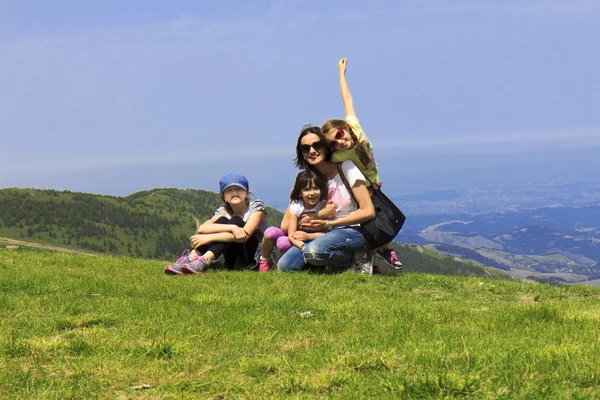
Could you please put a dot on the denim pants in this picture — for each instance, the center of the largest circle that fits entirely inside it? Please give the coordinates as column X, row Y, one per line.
column 334, row 249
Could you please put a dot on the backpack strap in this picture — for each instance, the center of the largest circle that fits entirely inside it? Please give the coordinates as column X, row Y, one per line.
column 343, row 176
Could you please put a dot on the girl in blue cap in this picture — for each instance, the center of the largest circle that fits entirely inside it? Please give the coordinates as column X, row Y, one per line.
column 234, row 232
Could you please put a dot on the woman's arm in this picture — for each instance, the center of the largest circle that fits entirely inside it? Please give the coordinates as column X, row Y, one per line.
column 328, row 211
column 365, row 211
column 346, row 96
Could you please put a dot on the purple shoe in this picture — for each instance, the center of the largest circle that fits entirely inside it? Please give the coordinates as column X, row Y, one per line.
column 196, row 266
column 175, row 268
column 390, row 258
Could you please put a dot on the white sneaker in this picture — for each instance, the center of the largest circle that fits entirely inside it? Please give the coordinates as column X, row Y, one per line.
column 364, row 265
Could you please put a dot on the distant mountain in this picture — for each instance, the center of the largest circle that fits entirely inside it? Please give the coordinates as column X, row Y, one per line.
column 550, row 240
column 150, row 224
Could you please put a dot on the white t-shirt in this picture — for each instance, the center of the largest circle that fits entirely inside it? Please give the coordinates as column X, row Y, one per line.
column 297, row 207
column 338, row 192
column 254, row 206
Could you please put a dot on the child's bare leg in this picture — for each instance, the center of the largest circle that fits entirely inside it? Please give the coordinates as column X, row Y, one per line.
column 266, row 247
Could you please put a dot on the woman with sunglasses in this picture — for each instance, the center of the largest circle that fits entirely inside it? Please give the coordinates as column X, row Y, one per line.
column 348, row 141
column 343, row 238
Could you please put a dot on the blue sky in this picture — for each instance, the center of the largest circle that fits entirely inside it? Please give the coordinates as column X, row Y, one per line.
column 114, row 97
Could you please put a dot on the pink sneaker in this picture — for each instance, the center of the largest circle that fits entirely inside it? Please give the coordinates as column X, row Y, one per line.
column 263, row 266
column 175, row 268
column 389, row 256
column 196, row 266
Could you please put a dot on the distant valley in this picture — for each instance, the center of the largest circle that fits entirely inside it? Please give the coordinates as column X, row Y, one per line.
column 560, row 243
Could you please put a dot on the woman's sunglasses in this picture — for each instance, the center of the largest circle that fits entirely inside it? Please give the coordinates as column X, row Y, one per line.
column 340, row 134
column 305, row 148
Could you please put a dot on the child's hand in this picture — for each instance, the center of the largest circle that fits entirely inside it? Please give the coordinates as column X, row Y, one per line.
column 342, row 65
column 198, row 240
column 240, row 234
column 301, row 236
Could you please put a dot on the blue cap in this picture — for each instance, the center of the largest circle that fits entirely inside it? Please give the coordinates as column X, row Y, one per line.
column 233, row 179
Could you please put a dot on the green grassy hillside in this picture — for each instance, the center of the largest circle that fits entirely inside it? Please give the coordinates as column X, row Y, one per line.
column 150, row 224
column 153, row 224
column 74, row 326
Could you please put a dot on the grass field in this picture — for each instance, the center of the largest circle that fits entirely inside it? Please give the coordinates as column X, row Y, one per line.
column 73, row 326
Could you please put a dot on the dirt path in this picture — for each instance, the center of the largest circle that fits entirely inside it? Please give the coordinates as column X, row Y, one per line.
column 13, row 244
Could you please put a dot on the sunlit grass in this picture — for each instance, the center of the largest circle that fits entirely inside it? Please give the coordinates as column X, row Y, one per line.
column 92, row 327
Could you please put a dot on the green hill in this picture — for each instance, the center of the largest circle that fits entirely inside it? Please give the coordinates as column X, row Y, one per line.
column 151, row 224
column 154, row 224
column 76, row 327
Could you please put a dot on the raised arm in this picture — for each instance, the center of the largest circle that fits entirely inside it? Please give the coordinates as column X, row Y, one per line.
column 346, row 96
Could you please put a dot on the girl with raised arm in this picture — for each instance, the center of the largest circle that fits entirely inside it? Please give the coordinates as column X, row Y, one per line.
column 348, row 141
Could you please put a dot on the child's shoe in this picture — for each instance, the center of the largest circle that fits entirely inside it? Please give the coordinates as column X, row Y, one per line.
column 364, row 265
column 265, row 265
column 175, row 268
column 196, row 266
column 390, row 257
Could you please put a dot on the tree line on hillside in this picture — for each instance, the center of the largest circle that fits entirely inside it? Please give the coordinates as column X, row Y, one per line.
column 136, row 226
column 152, row 224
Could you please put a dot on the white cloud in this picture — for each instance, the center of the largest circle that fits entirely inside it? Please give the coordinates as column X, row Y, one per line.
column 497, row 142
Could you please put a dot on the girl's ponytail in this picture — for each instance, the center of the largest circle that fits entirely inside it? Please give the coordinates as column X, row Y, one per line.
column 361, row 150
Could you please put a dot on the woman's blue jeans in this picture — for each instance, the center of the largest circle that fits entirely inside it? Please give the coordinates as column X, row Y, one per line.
column 334, row 249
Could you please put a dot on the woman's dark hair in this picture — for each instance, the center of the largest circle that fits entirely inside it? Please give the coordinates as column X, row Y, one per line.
column 308, row 178
column 299, row 161
column 361, row 147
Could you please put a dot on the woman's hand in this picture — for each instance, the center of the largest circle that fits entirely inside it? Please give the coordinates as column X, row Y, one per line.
column 342, row 65
column 319, row 225
column 304, row 222
column 328, row 211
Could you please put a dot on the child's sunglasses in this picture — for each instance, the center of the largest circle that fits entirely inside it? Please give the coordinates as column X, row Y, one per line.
column 305, row 148
column 340, row 134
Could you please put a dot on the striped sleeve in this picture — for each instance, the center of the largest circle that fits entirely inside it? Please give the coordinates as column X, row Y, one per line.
column 256, row 205
column 221, row 212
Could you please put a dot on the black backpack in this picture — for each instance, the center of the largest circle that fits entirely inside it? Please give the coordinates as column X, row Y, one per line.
column 388, row 218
